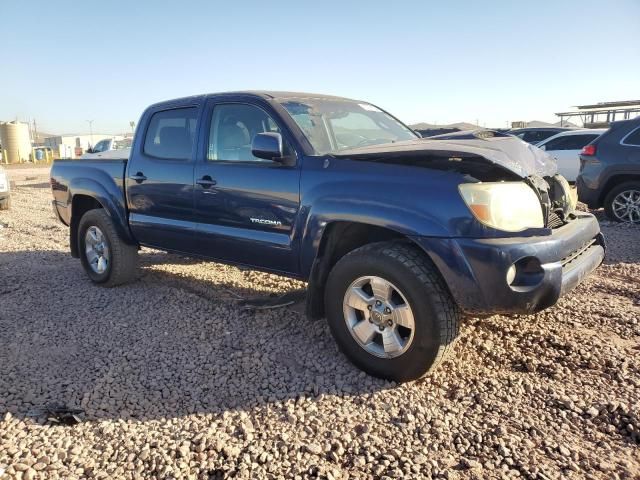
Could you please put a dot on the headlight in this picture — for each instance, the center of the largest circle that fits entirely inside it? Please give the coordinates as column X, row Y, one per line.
column 571, row 194
column 508, row 206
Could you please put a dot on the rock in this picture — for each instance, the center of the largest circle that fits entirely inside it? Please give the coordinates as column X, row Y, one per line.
column 314, row 448
column 470, row 463
column 593, row 412
column 30, row 474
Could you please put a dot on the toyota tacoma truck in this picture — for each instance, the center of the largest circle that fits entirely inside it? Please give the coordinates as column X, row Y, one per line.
column 397, row 236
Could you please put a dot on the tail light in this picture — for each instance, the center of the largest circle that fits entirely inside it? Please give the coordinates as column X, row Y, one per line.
column 588, row 150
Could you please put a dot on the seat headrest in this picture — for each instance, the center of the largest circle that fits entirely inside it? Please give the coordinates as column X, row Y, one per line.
column 175, row 142
column 233, row 136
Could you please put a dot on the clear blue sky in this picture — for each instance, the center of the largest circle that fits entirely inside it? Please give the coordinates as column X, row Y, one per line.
column 64, row 62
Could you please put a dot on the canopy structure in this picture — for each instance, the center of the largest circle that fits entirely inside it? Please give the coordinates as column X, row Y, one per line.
column 600, row 115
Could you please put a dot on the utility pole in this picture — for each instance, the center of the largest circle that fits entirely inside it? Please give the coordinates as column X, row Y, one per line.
column 90, row 122
column 132, row 124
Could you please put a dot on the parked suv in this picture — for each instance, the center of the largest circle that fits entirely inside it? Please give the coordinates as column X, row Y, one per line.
column 5, row 194
column 610, row 172
column 396, row 235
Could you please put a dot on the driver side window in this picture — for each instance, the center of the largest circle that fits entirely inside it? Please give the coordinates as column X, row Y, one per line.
column 233, row 127
column 100, row 146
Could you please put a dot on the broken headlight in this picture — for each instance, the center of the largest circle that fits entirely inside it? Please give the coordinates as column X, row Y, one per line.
column 508, row 206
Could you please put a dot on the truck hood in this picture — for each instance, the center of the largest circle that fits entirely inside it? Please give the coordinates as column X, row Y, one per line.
column 506, row 152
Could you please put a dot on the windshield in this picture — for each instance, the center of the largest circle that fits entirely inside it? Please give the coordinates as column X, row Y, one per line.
column 332, row 125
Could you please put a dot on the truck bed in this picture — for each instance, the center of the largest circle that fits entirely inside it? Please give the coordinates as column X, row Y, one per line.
column 107, row 176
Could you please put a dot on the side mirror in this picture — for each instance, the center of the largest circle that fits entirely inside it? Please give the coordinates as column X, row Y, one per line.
column 268, row 146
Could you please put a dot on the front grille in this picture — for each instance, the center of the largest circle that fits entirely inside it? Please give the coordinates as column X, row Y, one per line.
column 554, row 220
column 573, row 256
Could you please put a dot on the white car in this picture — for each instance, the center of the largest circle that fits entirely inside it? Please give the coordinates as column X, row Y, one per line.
column 5, row 194
column 565, row 147
column 110, row 148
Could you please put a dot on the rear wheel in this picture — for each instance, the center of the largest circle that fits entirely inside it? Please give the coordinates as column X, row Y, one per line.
column 622, row 203
column 390, row 312
column 106, row 258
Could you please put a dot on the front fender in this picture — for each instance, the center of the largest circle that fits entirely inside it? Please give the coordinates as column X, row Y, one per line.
column 397, row 218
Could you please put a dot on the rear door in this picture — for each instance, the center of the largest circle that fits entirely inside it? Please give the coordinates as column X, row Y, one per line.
column 160, row 180
column 246, row 207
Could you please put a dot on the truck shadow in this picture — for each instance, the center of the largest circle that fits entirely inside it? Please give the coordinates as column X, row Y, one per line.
column 171, row 344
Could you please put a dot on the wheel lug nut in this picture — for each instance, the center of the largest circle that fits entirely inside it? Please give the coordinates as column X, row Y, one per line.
column 369, row 307
column 378, row 303
column 389, row 322
column 387, row 310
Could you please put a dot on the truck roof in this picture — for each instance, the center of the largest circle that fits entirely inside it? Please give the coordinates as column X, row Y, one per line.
column 266, row 94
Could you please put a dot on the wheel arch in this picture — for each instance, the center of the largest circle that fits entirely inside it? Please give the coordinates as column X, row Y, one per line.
column 614, row 181
column 338, row 239
column 88, row 195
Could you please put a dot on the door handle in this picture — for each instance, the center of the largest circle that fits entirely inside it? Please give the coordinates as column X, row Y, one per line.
column 138, row 177
column 206, row 182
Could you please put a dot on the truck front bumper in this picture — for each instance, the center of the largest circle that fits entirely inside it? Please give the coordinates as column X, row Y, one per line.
column 517, row 275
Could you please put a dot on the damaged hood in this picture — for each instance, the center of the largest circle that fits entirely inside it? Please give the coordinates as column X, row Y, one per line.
column 505, row 151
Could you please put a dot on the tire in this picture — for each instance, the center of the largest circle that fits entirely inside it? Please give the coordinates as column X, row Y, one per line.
column 121, row 259
column 5, row 204
column 613, row 207
column 415, row 281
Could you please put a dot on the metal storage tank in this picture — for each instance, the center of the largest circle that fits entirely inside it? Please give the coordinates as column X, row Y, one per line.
column 15, row 141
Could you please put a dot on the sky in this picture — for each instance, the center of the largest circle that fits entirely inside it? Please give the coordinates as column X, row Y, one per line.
column 492, row 62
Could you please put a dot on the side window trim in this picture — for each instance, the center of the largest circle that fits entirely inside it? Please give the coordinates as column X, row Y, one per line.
column 623, row 141
column 194, row 143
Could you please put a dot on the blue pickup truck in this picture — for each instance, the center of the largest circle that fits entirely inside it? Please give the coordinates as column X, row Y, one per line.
column 396, row 235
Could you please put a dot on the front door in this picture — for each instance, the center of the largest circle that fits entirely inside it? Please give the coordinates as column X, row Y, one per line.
column 160, row 181
column 246, row 207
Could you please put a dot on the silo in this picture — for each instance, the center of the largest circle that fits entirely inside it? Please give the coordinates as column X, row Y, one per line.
column 15, row 141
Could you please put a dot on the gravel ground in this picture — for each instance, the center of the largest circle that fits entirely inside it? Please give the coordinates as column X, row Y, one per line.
column 174, row 379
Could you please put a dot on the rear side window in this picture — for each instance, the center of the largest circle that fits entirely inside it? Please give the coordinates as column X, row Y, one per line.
column 633, row 138
column 171, row 134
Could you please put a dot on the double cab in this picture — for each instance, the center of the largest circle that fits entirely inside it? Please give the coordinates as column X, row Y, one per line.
column 396, row 235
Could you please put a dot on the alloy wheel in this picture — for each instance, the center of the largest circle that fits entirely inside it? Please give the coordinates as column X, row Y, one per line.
column 379, row 316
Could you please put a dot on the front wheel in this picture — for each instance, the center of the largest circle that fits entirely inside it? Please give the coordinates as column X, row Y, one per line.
column 390, row 312
column 106, row 258
column 622, row 203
